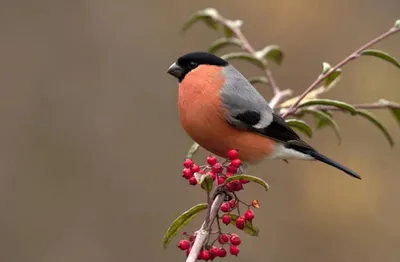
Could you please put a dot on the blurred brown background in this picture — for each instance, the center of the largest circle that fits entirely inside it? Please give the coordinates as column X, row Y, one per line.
column 91, row 148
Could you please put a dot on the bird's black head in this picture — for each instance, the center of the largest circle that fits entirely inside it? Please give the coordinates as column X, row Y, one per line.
column 190, row 61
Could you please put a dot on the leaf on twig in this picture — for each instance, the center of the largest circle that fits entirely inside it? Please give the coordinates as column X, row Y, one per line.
column 248, row 226
column 208, row 16
column 329, row 102
column 271, row 53
column 300, row 125
column 244, row 56
column 323, row 120
column 332, row 77
column 258, row 80
column 395, row 111
column 382, row 55
column 228, row 32
column 397, row 24
column 250, row 178
column 325, row 67
column 181, row 221
column 223, row 42
column 193, row 149
column 207, row 183
column 377, row 123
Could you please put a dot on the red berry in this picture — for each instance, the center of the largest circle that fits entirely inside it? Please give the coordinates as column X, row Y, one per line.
column 213, row 176
column 226, row 219
column 205, row 255
column 223, row 239
column 233, row 203
column 222, row 252
column 188, row 163
column 217, row 168
column 249, row 215
column 214, row 251
column 228, row 174
column 233, row 154
column 193, row 181
column 234, row 186
column 193, row 237
column 240, row 222
column 235, row 240
column 236, row 163
column 221, row 180
column 232, row 169
column 244, row 181
column 184, row 244
column 230, row 186
column 212, row 160
column 187, row 173
column 188, row 251
column 234, row 250
column 195, row 168
column 225, row 207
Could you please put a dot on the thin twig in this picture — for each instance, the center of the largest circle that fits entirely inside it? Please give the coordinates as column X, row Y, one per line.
column 246, row 46
column 352, row 56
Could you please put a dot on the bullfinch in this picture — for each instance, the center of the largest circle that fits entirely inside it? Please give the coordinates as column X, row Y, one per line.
column 221, row 110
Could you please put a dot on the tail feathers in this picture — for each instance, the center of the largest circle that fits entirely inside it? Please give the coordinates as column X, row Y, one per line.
column 320, row 157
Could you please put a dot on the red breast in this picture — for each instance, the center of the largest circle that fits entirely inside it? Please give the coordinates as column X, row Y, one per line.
column 202, row 116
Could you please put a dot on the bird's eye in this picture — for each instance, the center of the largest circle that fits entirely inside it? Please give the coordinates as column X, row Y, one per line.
column 193, row 65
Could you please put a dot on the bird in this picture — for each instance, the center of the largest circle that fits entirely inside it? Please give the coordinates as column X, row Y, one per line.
column 221, row 110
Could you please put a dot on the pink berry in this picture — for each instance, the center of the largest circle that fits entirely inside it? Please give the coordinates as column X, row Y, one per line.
column 233, row 154
column 235, row 240
column 233, row 203
column 230, row 186
column 188, row 251
column 213, row 176
column 240, row 222
column 212, row 160
column 221, row 180
column 187, row 173
column 195, row 168
column 214, row 251
column 236, row 163
column 245, row 181
column 184, row 244
column 249, row 215
column 222, row 252
column 223, row 239
column 228, row 174
column 225, row 207
column 226, row 219
column 205, row 255
column 193, row 181
column 234, row 250
column 188, row 163
column 232, row 169
column 217, row 168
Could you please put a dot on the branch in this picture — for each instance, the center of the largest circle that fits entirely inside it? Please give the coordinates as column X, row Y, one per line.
column 234, row 26
column 356, row 54
column 204, row 231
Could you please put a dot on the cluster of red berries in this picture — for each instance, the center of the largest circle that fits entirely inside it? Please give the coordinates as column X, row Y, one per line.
column 212, row 252
column 216, row 170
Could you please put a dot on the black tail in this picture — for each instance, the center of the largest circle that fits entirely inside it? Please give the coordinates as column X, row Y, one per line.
column 326, row 160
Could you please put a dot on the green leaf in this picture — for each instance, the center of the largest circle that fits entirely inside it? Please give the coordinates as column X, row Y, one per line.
column 377, row 123
column 272, row 53
column 208, row 16
column 382, row 55
column 329, row 102
column 223, row 42
column 325, row 67
column 258, row 80
column 181, row 221
column 250, row 178
column 228, row 32
column 207, row 183
column 395, row 111
column 324, row 119
column 193, row 149
column 300, row 125
column 248, row 226
column 244, row 56
column 397, row 24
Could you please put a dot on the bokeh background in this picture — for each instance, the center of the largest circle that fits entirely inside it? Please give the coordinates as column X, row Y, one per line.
column 92, row 149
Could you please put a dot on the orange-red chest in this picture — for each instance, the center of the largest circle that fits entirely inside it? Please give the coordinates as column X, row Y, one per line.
column 203, row 117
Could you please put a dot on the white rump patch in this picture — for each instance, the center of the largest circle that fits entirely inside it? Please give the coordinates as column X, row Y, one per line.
column 282, row 152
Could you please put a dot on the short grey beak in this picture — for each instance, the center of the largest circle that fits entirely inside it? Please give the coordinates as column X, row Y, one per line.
column 175, row 70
